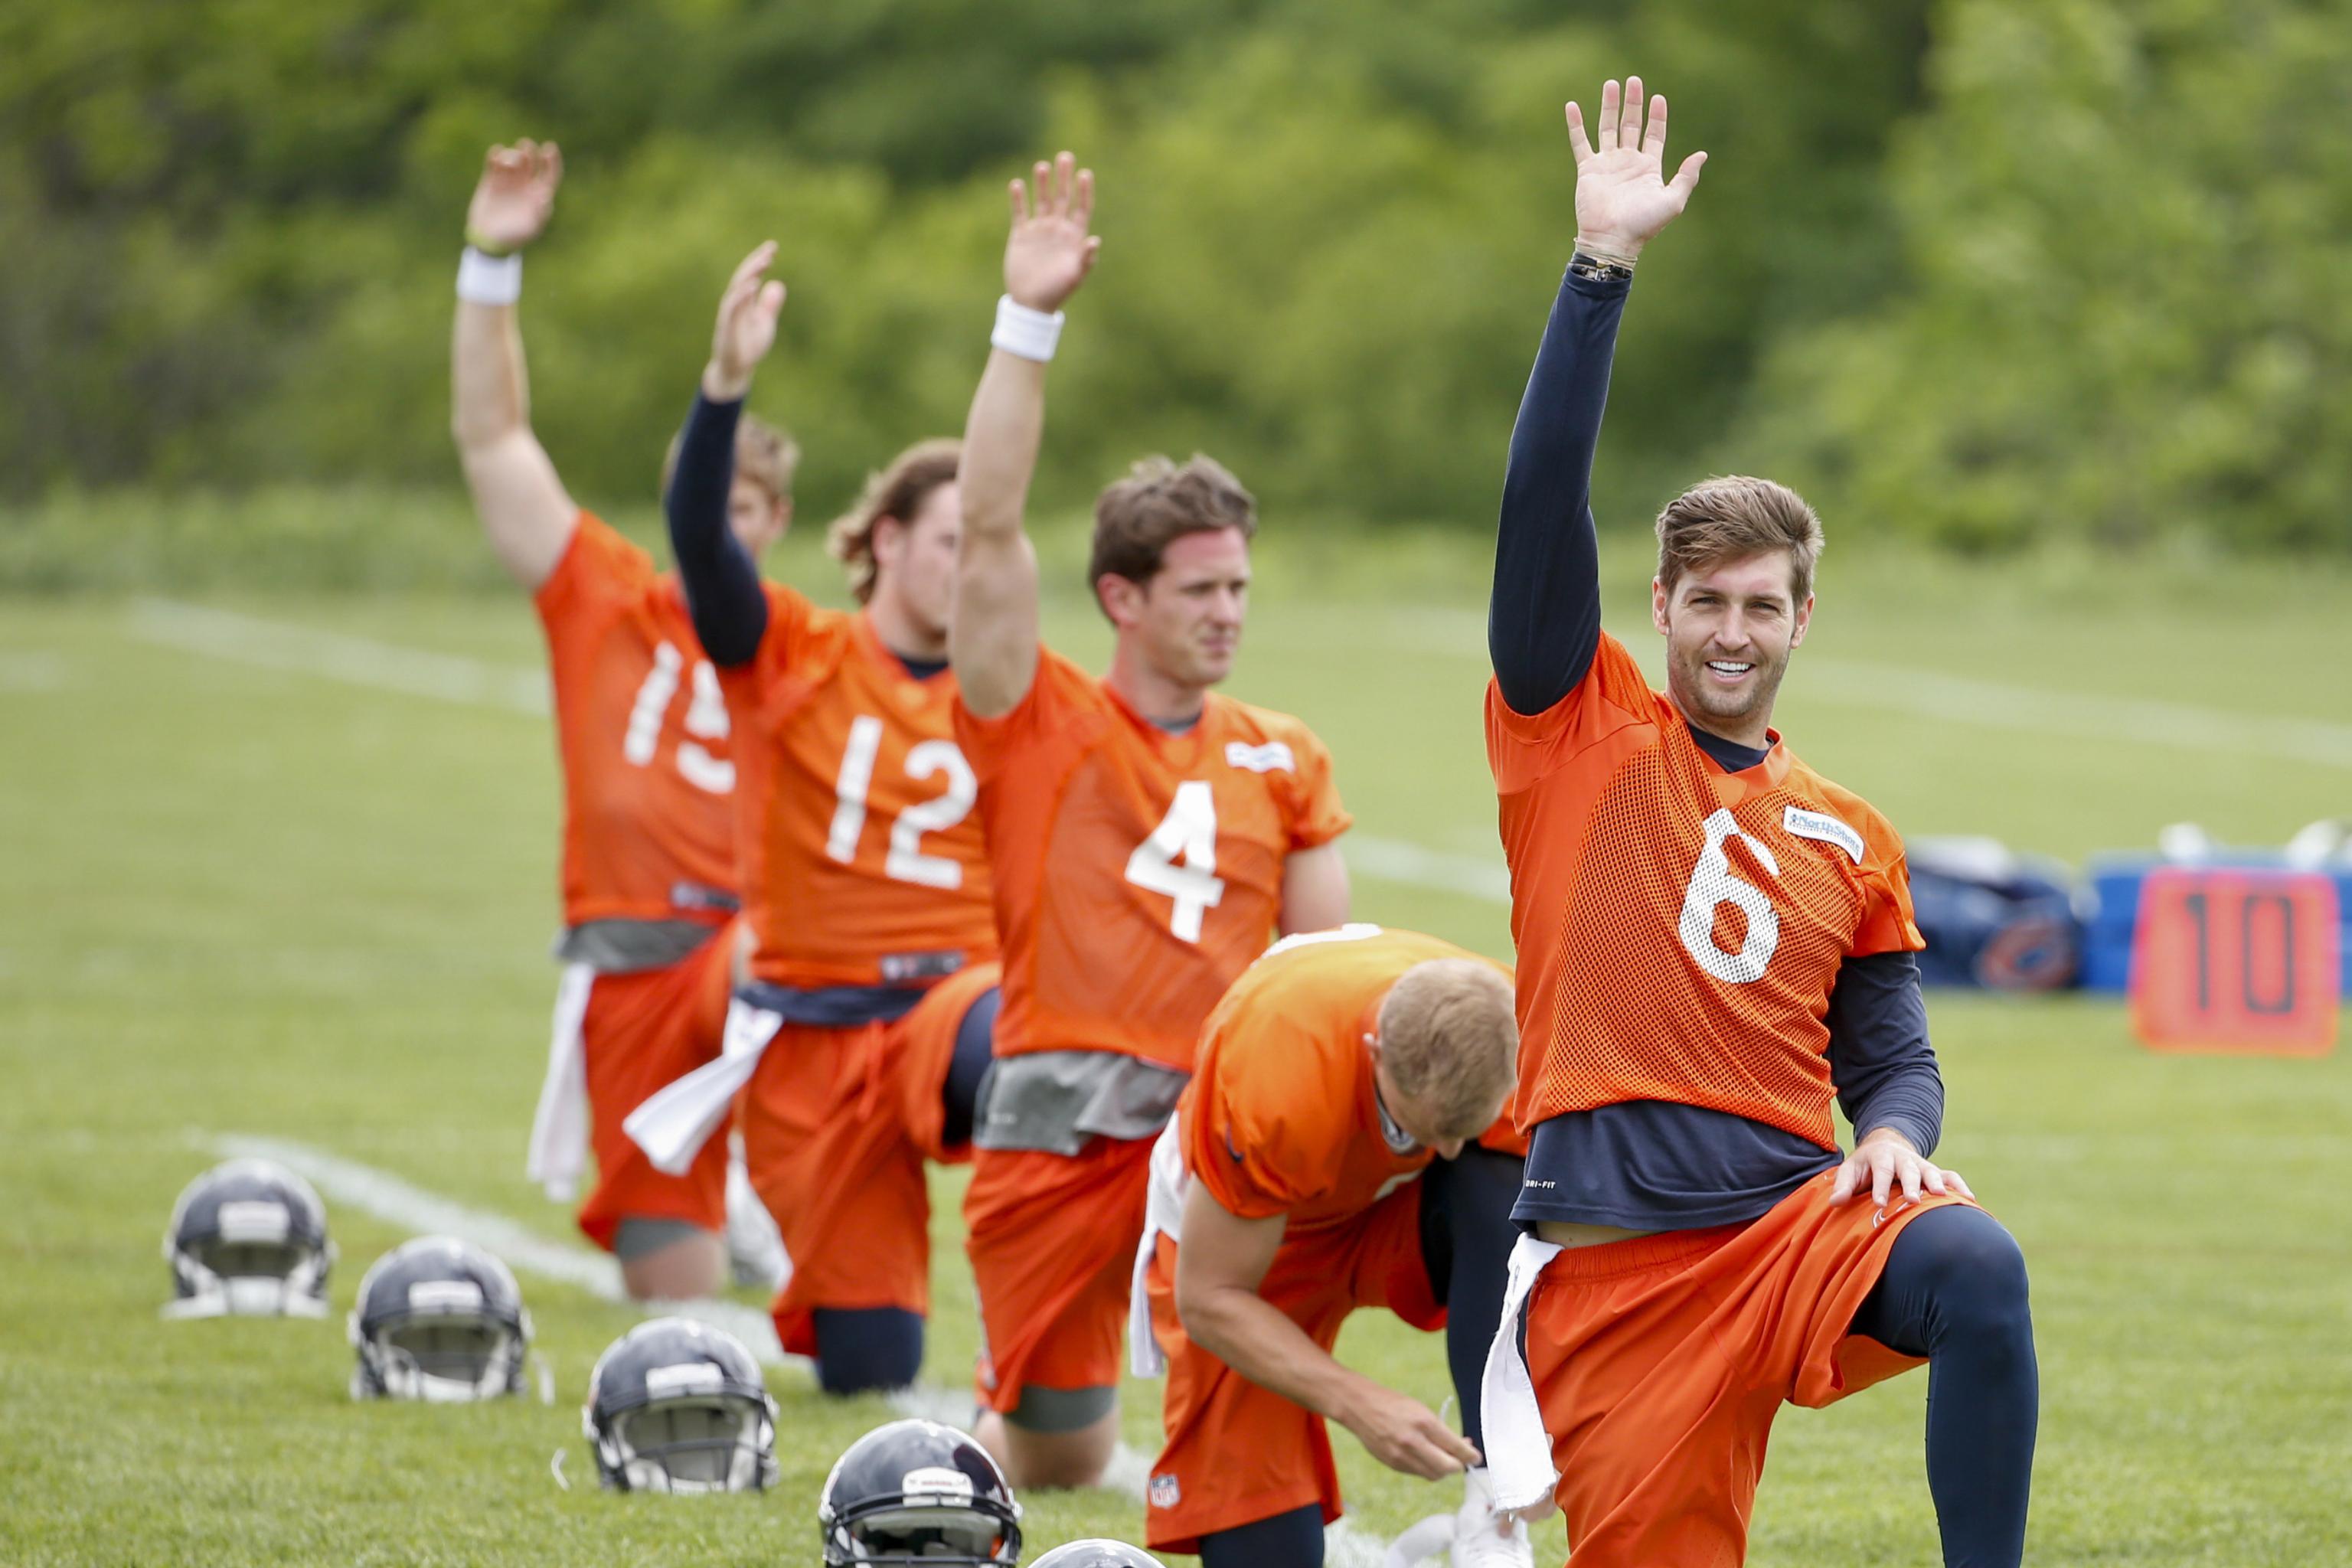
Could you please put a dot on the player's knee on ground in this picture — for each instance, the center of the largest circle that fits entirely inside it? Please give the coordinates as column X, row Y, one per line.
column 1954, row 1277
column 862, row 1349
column 668, row 1259
column 976, row 1052
column 1061, row 1436
column 1294, row 1540
column 1466, row 1236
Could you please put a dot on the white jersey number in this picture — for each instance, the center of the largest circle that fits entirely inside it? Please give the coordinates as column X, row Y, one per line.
column 906, row 862
column 1712, row 884
column 1180, row 859
column 705, row 715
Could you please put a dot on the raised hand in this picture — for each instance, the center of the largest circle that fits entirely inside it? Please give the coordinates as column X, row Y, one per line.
column 515, row 196
column 747, row 326
column 1049, row 251
column 1623, row 198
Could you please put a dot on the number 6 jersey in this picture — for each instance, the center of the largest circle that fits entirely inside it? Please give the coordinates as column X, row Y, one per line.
column 1136, row 871
column 861, row 857
column 1679, row 927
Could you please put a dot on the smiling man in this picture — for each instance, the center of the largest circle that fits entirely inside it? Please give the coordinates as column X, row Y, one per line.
column 1147, row 836
column 1714, row 943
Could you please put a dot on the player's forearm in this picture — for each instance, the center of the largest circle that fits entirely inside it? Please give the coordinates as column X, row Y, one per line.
column 721, row 581
column 1000, row 438
column 490, row 390
column 993, row 636
column 1879, row 1053
column 1543, row 621
column 1258, row 1340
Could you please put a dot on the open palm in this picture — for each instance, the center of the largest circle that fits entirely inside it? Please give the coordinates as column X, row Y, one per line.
column 516, row 194
column 747, row 324
column 1622, row 197
column 1049, row 251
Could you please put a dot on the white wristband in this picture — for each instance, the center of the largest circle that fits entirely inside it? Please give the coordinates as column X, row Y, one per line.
column 488, row 280
column 1031, row 334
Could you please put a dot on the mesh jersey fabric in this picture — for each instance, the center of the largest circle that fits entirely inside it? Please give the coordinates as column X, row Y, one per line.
column 1742, row 893
column 1137, row 872
column 863, row 864
column 648, row 825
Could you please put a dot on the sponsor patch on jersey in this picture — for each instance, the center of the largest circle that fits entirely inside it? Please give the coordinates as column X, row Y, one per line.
column 1262, row 759
column 254, row 1222
column 1165, row 1492
column 1822, row 828
column 445, row 1296
column 687, row 1378
column 936, row 1486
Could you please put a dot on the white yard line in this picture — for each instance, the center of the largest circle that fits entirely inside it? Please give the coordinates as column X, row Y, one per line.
column 453, row 677
column 401, row 1202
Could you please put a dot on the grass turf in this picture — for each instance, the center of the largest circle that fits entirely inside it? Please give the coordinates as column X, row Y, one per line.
column 243, row 900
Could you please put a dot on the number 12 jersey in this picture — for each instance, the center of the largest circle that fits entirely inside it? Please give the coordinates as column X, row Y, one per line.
column 861, row 855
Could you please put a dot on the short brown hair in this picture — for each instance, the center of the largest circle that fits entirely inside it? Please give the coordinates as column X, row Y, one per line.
column 900, row 491
column 1732, row 517
column 1450, row 1038
column 764, row 454
column 1158, row 503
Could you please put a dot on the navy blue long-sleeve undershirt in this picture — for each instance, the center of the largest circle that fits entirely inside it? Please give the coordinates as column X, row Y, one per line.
column 721, row 580
column 1654, row 1164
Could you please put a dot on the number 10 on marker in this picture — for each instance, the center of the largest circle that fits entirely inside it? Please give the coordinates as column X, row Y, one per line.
column 2236, row 960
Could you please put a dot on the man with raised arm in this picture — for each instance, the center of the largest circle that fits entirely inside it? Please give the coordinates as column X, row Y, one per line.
column 1714, row 943
column 1147, row 836
column 649, row 841
column 862, row 1029
column 1338, row 1147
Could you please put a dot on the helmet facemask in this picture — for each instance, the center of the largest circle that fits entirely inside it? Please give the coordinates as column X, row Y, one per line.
column 253, row 1264
column 932, row 1535
column 447, row 1360
column 704, row 1443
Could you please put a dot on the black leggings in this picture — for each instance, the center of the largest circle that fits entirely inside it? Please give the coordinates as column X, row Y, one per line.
column 1954, row 1290
column 1466, row 1235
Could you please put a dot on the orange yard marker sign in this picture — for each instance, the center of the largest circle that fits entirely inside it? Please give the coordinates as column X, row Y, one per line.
column 2236, row 959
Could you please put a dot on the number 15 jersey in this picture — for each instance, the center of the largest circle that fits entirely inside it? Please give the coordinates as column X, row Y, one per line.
column 1679, row 927
column 862, row 862
column 1136, row 871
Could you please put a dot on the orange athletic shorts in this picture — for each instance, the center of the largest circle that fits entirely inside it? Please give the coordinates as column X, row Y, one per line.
column 837, row 1123
column 1236, row 1452
column 1052, row 1240
column 1660, row 1361
column 641, row 1031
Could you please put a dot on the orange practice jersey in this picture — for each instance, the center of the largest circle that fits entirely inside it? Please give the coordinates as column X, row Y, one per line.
column 648, row 827
column 1136, row 871
column 1678, row 927
column 1281, row 1116
column 862, row 859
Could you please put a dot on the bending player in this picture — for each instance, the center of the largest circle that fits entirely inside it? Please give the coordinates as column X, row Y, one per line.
column 1714, row 942
column 648, row 843
column 873, row 980
column 1337, row 1148
column 1146, row 836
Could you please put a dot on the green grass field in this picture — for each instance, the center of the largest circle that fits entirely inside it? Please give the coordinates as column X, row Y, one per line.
column 265, row 900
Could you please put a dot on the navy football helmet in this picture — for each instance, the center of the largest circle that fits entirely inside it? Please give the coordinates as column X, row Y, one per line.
column 916, row 1492
column 677, row 1406
column 248, row 1239
column 1098, row 1554
column 438, row 1320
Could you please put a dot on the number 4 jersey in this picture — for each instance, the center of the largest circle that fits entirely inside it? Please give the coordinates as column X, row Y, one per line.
column 862, row 861
column 1137, row 870
column 648, row 829
column 1679, row 927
